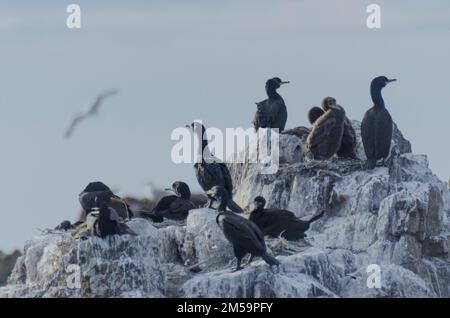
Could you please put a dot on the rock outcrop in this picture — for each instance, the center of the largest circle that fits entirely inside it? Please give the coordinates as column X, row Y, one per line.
column 386, row 233
column 7, row 262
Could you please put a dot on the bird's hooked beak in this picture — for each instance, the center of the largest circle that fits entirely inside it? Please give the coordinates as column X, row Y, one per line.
column 170, row 190
column 391, row 80
column 285, row 82
column 211, row 194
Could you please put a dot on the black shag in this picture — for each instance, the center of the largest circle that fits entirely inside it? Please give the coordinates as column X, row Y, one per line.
column 243, row 234
column 109, row 223
column 272, row 112
column 277, row 222
column 97, row 193
column 210, row 171
column 173, row 207
column 325, row 138
column 376, row 127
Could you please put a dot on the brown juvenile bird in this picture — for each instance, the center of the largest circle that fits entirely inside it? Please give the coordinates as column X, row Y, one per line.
column 325, row 139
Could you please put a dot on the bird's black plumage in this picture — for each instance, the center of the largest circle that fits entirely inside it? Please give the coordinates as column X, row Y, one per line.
column 325, row 139
column 271, row 112
column 97, row 193
column 278, row 222
column 107, row 222
column 243, row 234
column 210, row 171
column 376, row 127
column 173, row 207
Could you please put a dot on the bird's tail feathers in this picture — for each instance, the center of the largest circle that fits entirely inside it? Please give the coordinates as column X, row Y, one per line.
column 269, row 259
column 233, row 206
column 316, row 217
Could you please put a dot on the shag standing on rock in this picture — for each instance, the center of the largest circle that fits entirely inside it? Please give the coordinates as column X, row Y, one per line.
column 173, row 207
column 209, row 170
column 243, row 234
column 376, row 127
column 325, row 139
column 276, row 222
column 272, row 112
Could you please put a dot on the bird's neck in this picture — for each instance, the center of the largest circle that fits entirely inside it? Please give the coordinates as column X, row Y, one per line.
column 272, row 93
column 204, row 148
column 185, row 196
column 222, row 206
column 258, row 211
column 377, row 98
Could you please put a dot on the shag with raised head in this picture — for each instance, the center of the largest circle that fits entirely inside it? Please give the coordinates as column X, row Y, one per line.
column 376, row 127
column 209, row 170
column 271, row 112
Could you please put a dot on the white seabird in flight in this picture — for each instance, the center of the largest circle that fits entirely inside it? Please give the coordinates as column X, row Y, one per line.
column 88, row 110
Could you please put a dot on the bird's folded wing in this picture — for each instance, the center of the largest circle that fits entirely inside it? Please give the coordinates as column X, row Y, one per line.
column 180, row 205
column 322, row 130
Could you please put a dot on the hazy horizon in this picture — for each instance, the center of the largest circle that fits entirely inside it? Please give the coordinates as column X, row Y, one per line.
column 174, row 63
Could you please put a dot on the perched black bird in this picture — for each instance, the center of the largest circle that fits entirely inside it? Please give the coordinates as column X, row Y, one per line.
column 325, row 139
column 97, row 193
column 109, row 223
column 173, row 207
column 277, row 222
column 209, row 170
column 376, row 127
column 303, row 132
column 272, row 112
column 243, row 234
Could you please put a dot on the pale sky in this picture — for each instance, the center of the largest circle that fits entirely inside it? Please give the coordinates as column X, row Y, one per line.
column 190, row 60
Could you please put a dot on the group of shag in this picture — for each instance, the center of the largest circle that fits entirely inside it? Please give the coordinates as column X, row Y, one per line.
column 331, row 134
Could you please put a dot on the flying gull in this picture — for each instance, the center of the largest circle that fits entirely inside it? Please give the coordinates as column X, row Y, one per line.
column 88, row 110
